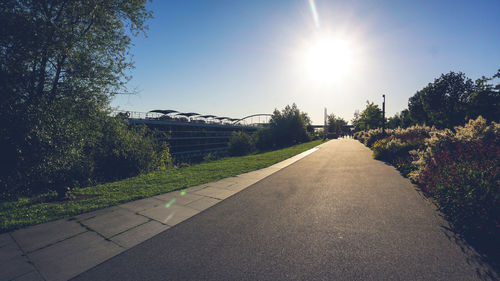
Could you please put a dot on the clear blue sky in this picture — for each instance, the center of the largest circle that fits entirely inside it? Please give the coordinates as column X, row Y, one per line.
column 236, row 58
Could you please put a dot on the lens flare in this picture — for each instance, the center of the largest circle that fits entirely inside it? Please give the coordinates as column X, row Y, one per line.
column 314, row 12
column 170, row 203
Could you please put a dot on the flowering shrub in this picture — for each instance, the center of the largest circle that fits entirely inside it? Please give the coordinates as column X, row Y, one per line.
column 371, row 136
column 474, row 131
column 459, row 169
column 416, row 133
column 390, row 148
column 465, row 180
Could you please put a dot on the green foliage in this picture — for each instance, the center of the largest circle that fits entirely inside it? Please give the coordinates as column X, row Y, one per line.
column 265, row 138
column 212, row 156
column 240, row 144
column 369, row 118
column 452, row 99
column 60, row 60
column 286, row 127
column 369, row 137
column 464, row 178
column 401, row 119
column 336, row 124
column 390, row 148
column 124, row 152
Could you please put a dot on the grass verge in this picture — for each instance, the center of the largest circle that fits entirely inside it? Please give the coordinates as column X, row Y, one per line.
column 30, row 211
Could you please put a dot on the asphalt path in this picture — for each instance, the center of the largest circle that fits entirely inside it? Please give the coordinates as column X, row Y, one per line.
column 337, row 214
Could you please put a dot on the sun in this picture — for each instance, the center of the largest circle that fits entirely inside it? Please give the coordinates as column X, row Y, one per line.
column 328, row 60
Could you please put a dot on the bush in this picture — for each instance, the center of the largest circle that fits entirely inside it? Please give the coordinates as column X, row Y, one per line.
column 391, row 149
column 465, row 180
column 264, row 138
column 73, row 154
column 461, row 171
column 124, row 151
column 371, row 136
column 240, row 144
column 287, row 127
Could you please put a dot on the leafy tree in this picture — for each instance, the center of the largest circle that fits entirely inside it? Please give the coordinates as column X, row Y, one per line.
column 240, row 144
column 485, row 100
column 401, row 119
column 286, row 127
column 335, row 124
column 370, row 118
column 442, row 103
column 59, row 62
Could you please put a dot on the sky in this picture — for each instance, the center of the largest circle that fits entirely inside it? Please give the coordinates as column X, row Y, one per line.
column 237, row 58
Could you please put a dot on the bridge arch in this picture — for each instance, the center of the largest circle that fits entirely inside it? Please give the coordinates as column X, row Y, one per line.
column 260, row 116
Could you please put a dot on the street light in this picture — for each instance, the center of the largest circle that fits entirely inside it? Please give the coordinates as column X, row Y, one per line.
column 383, row 115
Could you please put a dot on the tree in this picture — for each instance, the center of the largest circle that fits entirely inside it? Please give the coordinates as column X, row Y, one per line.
column 60, row 61
column 370, row 118
column 485, row 100
column 286, row 127
column 443, row 103
column 401, row 119
column 335, row 124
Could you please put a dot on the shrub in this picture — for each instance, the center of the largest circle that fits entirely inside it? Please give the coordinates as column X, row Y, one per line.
column 390, row 148
column 461, row 171
column 82, row 154
column 124, row 151
column 240, row 144
column 371, row 136
column 476, row 130
column 465, row 180
column 264, row 138
column 212, row 156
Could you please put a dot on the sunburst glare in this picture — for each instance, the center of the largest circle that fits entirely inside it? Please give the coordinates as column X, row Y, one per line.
column 328, row 60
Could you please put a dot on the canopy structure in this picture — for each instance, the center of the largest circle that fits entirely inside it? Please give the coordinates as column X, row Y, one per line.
column 164, row 111
column 207, row 116
column 222, row 118
column 188, row 114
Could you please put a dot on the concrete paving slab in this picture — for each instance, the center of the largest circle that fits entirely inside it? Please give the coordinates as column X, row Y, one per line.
column 139, row 234
column 142, row 204
column 171, row 216
column 42, row 235
column 112, row 223
column 236, row 186
column 95, row 213
column 204, row 203
column 9, row 251
column 214, row 192
column 5, row 239
column 30, row 276
column 225, row 182
column 195, row 188
column 13, row 263
column 15, row 267
column 70, row 257
column 179, row 198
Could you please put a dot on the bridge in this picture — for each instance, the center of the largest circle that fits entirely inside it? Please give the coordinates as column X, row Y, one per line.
column 193, row 135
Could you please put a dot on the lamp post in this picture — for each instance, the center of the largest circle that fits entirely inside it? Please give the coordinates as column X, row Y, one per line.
column 383, row 115
column 325, row 126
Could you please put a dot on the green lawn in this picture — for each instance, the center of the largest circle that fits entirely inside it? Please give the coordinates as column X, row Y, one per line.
column 30, row 211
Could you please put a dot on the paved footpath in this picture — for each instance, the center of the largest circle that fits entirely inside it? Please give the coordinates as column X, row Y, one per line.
column 62, row 249
column 336, row 214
